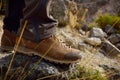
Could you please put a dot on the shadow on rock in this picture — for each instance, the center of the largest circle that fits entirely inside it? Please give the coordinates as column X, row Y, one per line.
column 31, row 68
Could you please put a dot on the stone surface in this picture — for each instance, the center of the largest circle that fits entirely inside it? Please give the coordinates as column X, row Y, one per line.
column 93, row 41
column 60, row 7
column 118, row 45
column 91, row 57
column 101, row 2
column 85, row 28
column 109, row 29
column 114, row 38
column 111, row 50
column 59, row 10
column 97, row 32
column 82, row 32
column 44, row 68
column 82, row 46
column 115, row 76
column 92, row 8
column 116, row 6
column 82, row 1
column 32, row 67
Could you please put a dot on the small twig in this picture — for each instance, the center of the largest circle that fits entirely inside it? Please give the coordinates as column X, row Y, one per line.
column 13, row 74
column 107, row 41
column 15, row 49
column 20, row 76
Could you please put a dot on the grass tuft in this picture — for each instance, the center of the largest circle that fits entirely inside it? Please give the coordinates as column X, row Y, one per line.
column 106, row 19
column 87, row 74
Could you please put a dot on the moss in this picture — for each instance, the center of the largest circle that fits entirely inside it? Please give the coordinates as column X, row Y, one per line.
column 92, row 25
column 87, row 74
column 106, row 19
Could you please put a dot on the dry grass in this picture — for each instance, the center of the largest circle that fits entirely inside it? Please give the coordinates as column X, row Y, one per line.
column 86, row 74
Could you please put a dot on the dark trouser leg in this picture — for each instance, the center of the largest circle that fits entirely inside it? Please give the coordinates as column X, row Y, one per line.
column 13, row 14
column 40, row 25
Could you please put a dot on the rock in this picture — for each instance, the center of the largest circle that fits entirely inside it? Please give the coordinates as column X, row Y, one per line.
column 64, row 10
column 93, row 41
column 82, row 46
column 118, row 45
column 109, row 29
column 82, row 32
column 116, row 6
column 94, row 58
column 85, row 28
column 32, row 68
column 69, row 38
column 101, row 2
column 110, row 49
column 115, row 76
column 59, row 10
column 92, row 8
column 82, row 1
column 97, row 32
column 114, row 38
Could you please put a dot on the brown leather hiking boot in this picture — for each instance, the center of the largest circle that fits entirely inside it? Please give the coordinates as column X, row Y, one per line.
column 49, row 48
column 8, row 40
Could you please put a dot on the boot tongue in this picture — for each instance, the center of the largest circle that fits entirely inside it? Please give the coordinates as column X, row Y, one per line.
column 36, row 32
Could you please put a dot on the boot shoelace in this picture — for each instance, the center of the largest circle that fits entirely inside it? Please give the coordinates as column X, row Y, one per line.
column 62, row 43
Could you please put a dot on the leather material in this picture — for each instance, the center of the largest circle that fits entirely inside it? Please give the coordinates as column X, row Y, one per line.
column 8, row 39
column 57, row 51
column 50, row 47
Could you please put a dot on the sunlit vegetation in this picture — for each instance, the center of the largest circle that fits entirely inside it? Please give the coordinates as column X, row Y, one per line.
column 106, row 19
column 75, row 22
column 87, row 74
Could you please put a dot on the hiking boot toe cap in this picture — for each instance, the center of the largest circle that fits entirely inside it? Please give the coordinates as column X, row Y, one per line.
column 73, row 56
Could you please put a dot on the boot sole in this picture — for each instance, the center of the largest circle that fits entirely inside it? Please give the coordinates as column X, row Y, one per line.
column 30, row 52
